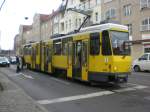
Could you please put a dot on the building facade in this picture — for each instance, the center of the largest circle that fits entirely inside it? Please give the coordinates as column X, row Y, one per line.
column 57, row 21
column 25, row 33
column 17, row 44
column 45, row 27
column 73, row 20
column 136, row 15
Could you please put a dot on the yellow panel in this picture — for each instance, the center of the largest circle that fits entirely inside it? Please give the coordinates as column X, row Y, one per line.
column 118, row 29
column 69, row 72
column 84, row 73
column 121, row 64
column 81, row 37
column 59, row 61
column 49, row 68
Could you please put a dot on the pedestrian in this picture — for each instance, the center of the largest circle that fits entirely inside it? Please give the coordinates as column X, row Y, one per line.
column 18, row 64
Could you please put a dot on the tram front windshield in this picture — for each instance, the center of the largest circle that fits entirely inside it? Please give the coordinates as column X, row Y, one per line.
column 118, row 39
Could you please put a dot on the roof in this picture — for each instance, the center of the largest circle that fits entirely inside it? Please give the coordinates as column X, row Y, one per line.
column 27, row 28
column 44, row 17
column 58, row 11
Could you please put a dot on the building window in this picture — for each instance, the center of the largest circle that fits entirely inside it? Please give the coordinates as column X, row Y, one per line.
column 76, row 23
column 145, row 25
column 96, row 16
column 62, row 26
column 111, row 13
column 71, row 2
column 98, row 2
column 46, row 25
column 144, row 4
column 106, row 1
column 127, row 10
column 66, row 25
column 130, row 28
column 70, row 23
column 79, row 22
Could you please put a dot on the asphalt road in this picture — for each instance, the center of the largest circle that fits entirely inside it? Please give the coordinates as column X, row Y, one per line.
column 60, row 95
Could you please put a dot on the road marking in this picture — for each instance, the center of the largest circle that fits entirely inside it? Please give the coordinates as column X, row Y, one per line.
column 141, row 74
column 13, row 75
column 27, row 76
column 90, row 95
column 138, row 87
column 77, row 97
column 60, row 81
column 132, row 84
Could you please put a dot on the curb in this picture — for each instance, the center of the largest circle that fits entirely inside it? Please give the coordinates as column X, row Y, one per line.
column 17, row 86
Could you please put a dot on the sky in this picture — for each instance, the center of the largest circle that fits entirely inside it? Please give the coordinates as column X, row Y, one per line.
column 13, row 14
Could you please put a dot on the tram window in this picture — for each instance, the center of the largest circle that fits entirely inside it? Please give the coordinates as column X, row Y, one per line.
column 64, row 46
column 36, row 50
column 106, row 48
column 49, row 54
column 24, row 50
column 57, row 48
column 29, row 50
column 84, row 53
column 94, row 43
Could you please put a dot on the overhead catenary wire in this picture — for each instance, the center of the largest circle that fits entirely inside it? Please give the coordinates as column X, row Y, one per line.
column 2, row 4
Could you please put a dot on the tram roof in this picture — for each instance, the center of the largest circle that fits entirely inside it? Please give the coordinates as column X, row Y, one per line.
column 90, row 29
column 96, row 28
column 106, row 26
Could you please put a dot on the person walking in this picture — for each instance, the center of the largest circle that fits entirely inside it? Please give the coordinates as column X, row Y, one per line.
column 18, row 64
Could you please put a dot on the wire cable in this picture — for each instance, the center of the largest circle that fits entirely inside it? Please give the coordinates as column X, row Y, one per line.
column 2, row 4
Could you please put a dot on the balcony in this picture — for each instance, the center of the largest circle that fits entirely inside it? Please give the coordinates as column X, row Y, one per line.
column 144, row 5
column 145, row 27
column 87, row 5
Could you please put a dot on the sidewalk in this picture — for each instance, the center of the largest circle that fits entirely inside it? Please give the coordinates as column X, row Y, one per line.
column 14, row 99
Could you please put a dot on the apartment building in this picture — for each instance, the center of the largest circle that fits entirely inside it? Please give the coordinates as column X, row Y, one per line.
column 25, row 33
column 73, row 19
column 57, row 21
column 17, row 44
column 45, row 27
column 136, row 15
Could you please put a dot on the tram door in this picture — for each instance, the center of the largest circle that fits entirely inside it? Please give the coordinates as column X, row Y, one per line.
column 46, row 58
column 77, row 59
column 33, row 57
column 70, row 52
column 85, row 54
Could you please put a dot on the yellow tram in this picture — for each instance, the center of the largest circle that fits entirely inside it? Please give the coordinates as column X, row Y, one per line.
column 96, row 53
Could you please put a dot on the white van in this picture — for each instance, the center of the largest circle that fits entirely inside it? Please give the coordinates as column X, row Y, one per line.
column 142, row 63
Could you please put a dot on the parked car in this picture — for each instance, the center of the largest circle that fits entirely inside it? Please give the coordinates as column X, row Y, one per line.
column 4, row 61
column 13, row 60
column 142, row 63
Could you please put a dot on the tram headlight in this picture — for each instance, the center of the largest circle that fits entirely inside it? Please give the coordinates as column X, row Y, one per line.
column 115, row 68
